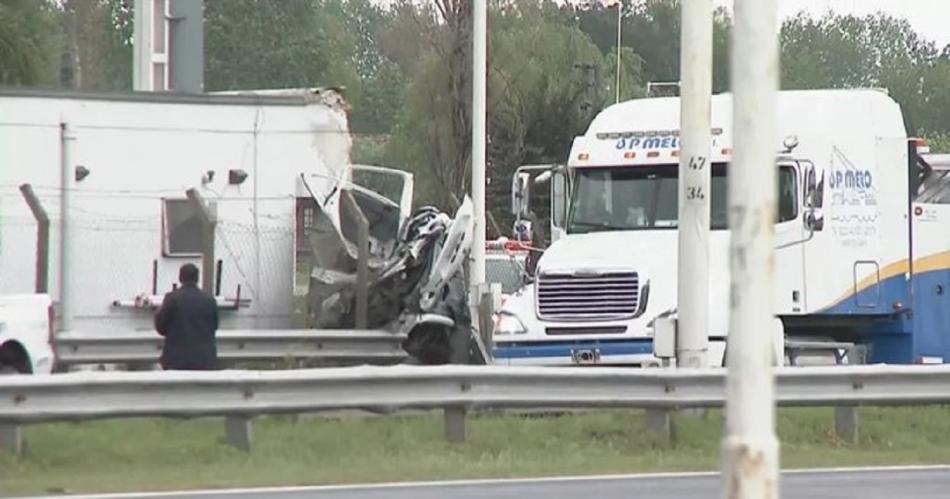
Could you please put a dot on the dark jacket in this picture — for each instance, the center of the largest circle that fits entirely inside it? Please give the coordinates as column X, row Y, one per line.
column 188, row 319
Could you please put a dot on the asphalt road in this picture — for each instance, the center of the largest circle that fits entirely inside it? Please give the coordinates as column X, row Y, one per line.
column 880, row 483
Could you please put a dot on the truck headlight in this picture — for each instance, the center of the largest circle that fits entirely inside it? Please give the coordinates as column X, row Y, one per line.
column 506, row 323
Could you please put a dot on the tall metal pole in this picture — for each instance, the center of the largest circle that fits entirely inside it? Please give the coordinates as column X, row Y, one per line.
column 67, row 241
column 479, row 130
column 694, row 186
column 619, row 24
column 750, row 447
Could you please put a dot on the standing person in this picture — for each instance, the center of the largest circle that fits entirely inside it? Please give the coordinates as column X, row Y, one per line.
column 188, row 319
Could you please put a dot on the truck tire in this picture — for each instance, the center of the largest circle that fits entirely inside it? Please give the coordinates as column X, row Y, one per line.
column 429, row 344
column 14, row 359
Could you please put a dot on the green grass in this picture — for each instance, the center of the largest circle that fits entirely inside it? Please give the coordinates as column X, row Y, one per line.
column 127, row 455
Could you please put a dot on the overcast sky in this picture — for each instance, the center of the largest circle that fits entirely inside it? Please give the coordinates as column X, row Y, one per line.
column 930, row 18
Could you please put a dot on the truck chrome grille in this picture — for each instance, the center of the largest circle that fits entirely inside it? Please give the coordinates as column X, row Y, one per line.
column 597, row 296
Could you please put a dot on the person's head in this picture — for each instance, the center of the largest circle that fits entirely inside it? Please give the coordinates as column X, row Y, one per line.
column 188, row 274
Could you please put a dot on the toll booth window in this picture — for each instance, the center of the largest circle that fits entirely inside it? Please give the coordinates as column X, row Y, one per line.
column 181, row 228
column 305, row 220
column 787, row 194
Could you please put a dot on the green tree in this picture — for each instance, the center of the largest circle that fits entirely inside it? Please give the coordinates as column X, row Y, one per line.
column 29, row 42
column 432, row 43
column 652, row 29
column 843, row 51
column 256, row 44
column 548, row 79
column 97, row 44
column 381, row 81
column 938, row 142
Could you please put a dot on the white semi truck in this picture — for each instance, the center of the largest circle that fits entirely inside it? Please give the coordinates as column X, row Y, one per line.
column 862, row 234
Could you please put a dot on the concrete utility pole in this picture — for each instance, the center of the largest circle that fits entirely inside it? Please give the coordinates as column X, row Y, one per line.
column 479, row 131
column 750, row 448
column 619, row 45
column 694, row 187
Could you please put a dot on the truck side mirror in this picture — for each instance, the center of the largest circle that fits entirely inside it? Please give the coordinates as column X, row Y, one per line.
column 814, row 219
column 520, row 190
column 814, row 185
column 814, row 193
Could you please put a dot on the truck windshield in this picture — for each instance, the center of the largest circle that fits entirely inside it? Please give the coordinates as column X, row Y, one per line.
column 645, row 198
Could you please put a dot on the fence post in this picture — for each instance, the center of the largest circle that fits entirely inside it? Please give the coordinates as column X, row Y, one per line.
column 208, row 221
column 42, row 237
column 11, row 439
column 362, row 259
column 237, row 431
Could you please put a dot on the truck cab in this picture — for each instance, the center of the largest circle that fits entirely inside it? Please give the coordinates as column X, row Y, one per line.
column 842, row 230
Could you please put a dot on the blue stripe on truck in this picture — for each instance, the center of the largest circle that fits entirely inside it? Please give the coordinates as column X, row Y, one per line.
column 532, row 349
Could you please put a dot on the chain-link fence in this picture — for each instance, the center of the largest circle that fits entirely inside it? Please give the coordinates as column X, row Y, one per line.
column 123, row 249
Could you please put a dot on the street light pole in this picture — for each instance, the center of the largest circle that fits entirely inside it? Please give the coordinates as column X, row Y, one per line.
column 750, row 447
column 619, row 5
column 479, row 140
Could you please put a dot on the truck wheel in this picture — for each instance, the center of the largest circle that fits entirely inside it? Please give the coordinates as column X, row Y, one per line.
column 429, row 344
column 14, row 360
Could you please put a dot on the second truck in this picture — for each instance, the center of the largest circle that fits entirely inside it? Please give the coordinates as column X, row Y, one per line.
column 862, row 234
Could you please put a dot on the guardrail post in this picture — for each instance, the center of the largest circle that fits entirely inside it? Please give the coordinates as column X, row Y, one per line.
column 238, row 431
column 846, row 417
column 846, row 423
column 660, row 422
column 11, row 439
column 208, row 222
column 455, row 424
column 42, row 237
column 455, row 416
column 362, row 259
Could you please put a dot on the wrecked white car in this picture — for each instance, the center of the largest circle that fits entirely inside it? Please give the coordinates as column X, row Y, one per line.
column 414, row 282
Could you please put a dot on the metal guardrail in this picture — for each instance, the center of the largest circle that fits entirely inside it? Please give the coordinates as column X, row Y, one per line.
column 328, row 346
column 241, row 395
column 92, row 395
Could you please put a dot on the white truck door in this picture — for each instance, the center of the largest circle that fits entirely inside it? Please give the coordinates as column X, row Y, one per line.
column 559, row 199
column 790, row 236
